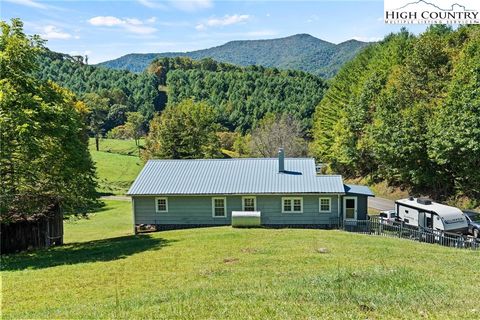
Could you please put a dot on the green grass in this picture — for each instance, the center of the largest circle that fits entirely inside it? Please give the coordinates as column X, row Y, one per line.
column 116, row 169
column 112, row 220
column 125, row 147
column 105, row 272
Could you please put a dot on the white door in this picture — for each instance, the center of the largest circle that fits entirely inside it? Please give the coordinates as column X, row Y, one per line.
column 350, row 208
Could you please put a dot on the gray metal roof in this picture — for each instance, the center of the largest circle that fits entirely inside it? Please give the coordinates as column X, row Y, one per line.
column 356, row 189
column 233, row 176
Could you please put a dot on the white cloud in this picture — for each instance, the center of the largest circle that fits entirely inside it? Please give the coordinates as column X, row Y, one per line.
column 221, row 22
column 29, row 3
column 152, row 4
column 152, row 20
column 105, row 21
column 192, row 5
column 51, row 32
column 132, row 25
column 313, row 18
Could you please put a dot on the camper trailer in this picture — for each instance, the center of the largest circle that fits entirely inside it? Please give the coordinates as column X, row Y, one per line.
column 424, row 213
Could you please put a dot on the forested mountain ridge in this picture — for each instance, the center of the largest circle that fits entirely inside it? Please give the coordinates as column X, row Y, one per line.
column 407, row 110
column 136, row 92
column 299, row 52
column 241, row 95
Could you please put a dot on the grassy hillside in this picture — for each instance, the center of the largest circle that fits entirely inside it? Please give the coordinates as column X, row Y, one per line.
column 104, row 272
column 117, row 165
column 300, row 52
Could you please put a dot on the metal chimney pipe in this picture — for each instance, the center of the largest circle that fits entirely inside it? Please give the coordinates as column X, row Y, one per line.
column 281, row 160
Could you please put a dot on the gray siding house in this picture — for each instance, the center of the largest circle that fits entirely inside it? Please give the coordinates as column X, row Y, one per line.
column 287, row 192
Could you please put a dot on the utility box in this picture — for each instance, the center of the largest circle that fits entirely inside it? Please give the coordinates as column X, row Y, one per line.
column 246, row 219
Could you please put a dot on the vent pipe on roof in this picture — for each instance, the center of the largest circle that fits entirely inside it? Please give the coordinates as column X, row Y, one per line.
column 281, row 160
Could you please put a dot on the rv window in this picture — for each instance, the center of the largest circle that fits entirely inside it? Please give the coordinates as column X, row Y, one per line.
column 383, row 215
column 406, row 211
column 406, row 220
column 429, row 222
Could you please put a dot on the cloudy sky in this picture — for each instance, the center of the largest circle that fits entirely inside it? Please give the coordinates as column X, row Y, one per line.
column 108, row 29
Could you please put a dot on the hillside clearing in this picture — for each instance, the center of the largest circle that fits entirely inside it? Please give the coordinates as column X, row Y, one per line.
column 105, row 272
column 117, row 165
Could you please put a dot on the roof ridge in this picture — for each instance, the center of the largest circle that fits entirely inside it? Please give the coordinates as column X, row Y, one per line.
column 227, row 159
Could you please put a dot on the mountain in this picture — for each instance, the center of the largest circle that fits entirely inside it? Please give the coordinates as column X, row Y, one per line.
column 301, row 52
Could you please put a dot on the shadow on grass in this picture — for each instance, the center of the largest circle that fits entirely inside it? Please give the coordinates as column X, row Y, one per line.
column 83, row 252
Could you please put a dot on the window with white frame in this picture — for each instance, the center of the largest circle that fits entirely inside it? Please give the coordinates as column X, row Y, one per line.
column 292, row 205
column 219, row 207
column 325, row 204
column 161, row 204
column 249, row 203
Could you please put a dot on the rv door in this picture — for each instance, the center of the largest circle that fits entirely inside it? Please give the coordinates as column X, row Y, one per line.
column 425, row 220
column 421, row 219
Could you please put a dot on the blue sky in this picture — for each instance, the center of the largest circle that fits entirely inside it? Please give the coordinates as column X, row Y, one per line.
column 108, row 29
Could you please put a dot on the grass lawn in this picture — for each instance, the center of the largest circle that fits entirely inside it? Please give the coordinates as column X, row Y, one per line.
column 117, row 164
column 125, row 147
column 105, row 272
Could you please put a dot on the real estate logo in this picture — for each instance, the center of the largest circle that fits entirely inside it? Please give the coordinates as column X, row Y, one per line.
column 432, row 11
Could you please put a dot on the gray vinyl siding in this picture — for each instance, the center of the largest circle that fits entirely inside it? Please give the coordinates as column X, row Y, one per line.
column 198, row 210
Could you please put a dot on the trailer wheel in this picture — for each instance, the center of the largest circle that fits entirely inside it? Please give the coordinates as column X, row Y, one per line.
column 476, row 233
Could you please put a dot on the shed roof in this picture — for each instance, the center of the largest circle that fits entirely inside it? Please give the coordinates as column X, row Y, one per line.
column 233, row 176
column 357, row 189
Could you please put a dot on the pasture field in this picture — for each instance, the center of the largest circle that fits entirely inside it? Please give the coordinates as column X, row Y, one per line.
column 117, row 165
column 104, row 271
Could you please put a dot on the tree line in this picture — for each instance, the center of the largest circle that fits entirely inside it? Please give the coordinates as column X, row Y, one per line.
column 407, row 110
column 244, row 95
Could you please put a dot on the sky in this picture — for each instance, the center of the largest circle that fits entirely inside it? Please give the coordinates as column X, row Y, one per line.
column 105, row 30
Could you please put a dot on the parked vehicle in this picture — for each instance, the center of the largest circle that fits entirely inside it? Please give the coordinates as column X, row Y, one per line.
column 387, row 216
column 424, row 213
column 473, row 220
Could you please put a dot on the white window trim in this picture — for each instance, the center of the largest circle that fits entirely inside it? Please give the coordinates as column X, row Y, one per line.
column 224, row 207
column 292, row 199
column 254, row 202
column 166, row 204
column 320, row 205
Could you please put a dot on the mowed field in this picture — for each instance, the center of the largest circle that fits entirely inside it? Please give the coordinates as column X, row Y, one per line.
column 118, row 164
column 103, row 271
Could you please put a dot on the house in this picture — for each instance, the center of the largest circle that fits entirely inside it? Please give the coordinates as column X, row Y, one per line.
column 287, row 192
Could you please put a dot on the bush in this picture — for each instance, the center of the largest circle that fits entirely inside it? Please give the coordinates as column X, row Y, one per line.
column 120, row 132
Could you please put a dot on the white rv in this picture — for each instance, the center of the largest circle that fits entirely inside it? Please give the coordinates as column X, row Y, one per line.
column 425, row 213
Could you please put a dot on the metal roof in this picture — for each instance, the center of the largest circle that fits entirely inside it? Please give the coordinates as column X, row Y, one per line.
column 356, row 189
column 233, row 176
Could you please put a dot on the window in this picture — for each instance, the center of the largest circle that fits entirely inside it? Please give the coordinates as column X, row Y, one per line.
column 291, row 205
column 219, row 207
column 249, row 203
column 161, row 204
column 325, row 205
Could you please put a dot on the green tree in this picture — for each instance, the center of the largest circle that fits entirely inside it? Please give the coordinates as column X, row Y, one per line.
column 184, row 131
column 98, row 113
column 405, row 110
column 135, row 124
column 44, row 151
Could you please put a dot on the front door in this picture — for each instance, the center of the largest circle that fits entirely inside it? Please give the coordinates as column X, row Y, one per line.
column 350, row 208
